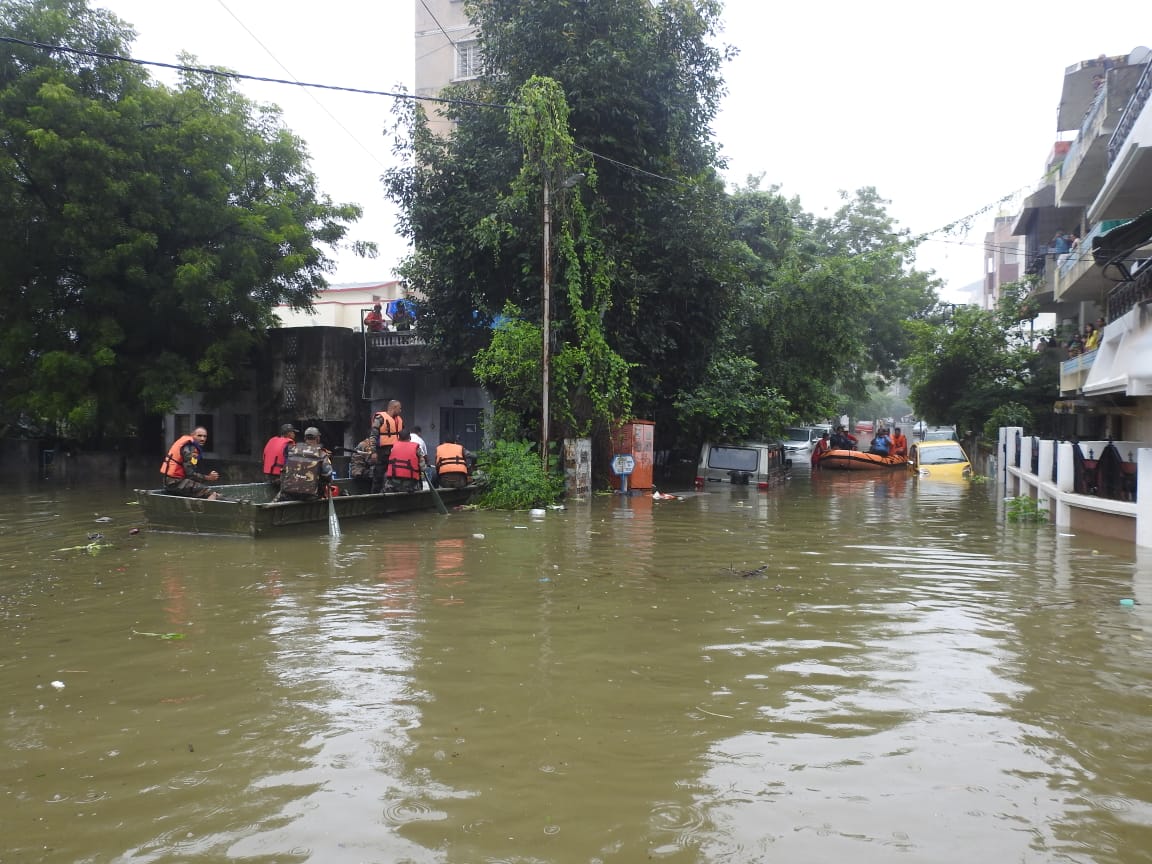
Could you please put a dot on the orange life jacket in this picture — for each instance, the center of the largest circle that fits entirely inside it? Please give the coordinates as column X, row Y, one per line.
column 450, row 459
column 173, row 464
column 389, row 428
column 274, row 454
column 404, row 462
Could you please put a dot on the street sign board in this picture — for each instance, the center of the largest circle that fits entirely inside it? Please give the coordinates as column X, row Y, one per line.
column 623, row 464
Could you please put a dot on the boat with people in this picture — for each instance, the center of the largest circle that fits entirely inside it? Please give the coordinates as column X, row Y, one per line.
column 860, row 460
column 247, row 509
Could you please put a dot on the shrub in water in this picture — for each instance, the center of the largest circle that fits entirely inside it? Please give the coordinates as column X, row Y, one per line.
column 515, row 478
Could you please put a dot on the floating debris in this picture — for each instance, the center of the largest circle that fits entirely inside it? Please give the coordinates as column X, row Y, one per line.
column 136, row 632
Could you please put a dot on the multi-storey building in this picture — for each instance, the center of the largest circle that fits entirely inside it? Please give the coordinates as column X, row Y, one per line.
column 1003, row 252
column 447, row 50
column 1088, row 237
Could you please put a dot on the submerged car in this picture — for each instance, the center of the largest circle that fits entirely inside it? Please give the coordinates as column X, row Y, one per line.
column 939, row 460
column 751, row 463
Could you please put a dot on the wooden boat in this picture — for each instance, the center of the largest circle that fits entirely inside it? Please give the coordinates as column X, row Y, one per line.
column 857, row 460
column 248, row 509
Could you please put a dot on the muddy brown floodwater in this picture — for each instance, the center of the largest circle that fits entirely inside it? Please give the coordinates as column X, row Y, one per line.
column 847, row 669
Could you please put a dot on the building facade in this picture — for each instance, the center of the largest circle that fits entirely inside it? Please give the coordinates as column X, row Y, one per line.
column 1087, row 231
column 447, row 51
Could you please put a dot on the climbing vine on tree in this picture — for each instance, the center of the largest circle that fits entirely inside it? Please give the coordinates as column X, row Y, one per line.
column 591, row 378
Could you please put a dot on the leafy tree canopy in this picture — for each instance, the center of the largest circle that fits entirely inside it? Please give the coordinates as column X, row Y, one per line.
column 148, row 232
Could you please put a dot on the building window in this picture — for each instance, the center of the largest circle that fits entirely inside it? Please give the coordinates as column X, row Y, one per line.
column 243, row 439
column 181, row 425
column 468, row 59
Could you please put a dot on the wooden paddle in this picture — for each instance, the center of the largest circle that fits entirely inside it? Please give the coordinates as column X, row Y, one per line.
column 333, row 522
column 435, row 495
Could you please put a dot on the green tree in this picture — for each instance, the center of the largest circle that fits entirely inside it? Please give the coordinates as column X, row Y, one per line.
column 642, row 82
column 148, row 231
column 966, row 367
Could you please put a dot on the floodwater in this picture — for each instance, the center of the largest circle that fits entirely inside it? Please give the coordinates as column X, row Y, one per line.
column 846, row 669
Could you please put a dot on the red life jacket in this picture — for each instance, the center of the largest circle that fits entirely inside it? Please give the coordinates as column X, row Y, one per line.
column 404, row 462
column 173, row 464
column 450, row 459
column 274, row 454
column 389, row 428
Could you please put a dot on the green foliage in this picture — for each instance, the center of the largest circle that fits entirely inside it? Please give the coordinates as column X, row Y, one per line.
column 148, row 232
column 733, row 405
column 1026, row 510
column 1009, row 414
column 644, row 260
column 509, row 368
column 515, row 477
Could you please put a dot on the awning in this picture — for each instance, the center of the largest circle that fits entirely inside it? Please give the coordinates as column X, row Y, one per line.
column 1122, row 240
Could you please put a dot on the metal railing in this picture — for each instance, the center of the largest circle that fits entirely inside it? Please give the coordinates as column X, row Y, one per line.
column 1131, row 112
column 1085, row 135
column 1127, row 295
column 399, row 339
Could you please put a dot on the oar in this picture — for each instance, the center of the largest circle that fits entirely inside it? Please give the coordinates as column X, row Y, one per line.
column 435, row 495
column 333, row 522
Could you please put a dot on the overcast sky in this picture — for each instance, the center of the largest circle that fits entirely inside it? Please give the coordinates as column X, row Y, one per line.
column 943, row 108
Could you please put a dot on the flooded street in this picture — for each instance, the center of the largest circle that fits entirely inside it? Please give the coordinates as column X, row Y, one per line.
column 845, row 669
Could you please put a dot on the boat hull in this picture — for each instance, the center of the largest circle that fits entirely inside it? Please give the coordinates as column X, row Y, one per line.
column 247, row 509
column 856, row 460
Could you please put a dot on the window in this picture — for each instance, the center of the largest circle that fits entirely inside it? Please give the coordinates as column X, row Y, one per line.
column 181, row 425
column 243, row 439
column 733, row 458
column 468, row 59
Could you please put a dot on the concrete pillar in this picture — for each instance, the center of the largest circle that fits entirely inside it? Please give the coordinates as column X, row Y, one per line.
column 1065, row 467
column 1046, row 450
column 577, row 468
column 1144, row 497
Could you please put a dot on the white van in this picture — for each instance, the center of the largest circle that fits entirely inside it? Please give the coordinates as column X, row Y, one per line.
column 747, row 464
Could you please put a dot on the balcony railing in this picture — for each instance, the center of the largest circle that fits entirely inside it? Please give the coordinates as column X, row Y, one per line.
column 398, row 339
column 1127, row 295
column 1131, row 112
column 1086, row 133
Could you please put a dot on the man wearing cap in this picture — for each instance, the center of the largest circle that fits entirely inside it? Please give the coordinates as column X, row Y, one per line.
column 307, row 470
column 275, row 452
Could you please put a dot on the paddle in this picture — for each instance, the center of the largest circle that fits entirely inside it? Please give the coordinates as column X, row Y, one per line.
column 435, row 495
column 333, row 522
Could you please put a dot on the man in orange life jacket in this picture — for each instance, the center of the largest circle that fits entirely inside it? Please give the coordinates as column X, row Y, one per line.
column 405, row 471
column 181, row 467
column 386, row 426
column 452, row 462
column 276, row 453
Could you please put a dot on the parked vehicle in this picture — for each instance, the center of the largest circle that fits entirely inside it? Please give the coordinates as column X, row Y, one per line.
column 939, row 433
column 939, row 460
column 751, row 463
column 799, row 440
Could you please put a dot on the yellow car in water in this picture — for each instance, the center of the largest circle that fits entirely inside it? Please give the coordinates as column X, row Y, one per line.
column 939, row 460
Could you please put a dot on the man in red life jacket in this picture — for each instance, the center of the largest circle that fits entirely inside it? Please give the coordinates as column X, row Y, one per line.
column 182, row 467
column 386, row 426
column 276, row 453
column 819, row 449
column 405, row 471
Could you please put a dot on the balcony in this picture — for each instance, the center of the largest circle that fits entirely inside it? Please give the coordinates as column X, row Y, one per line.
column 1086, row 164
column 1074, row 373
column 1077, row 278
column 395, row 351
column 1125, row 189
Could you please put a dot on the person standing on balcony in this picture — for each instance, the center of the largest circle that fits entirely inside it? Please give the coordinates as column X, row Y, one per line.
column 374, row 320
column 1092, row 338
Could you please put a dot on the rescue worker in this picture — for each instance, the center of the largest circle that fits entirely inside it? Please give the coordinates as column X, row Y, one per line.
column 386, row 426
column 362, row 465
column 307, row 470
column 821, row 447
column 275, row 452
column 405, row 469
column 899, row 443
column 881, row 444
column 181, row 467
column 842, row 439
column 452, row 464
